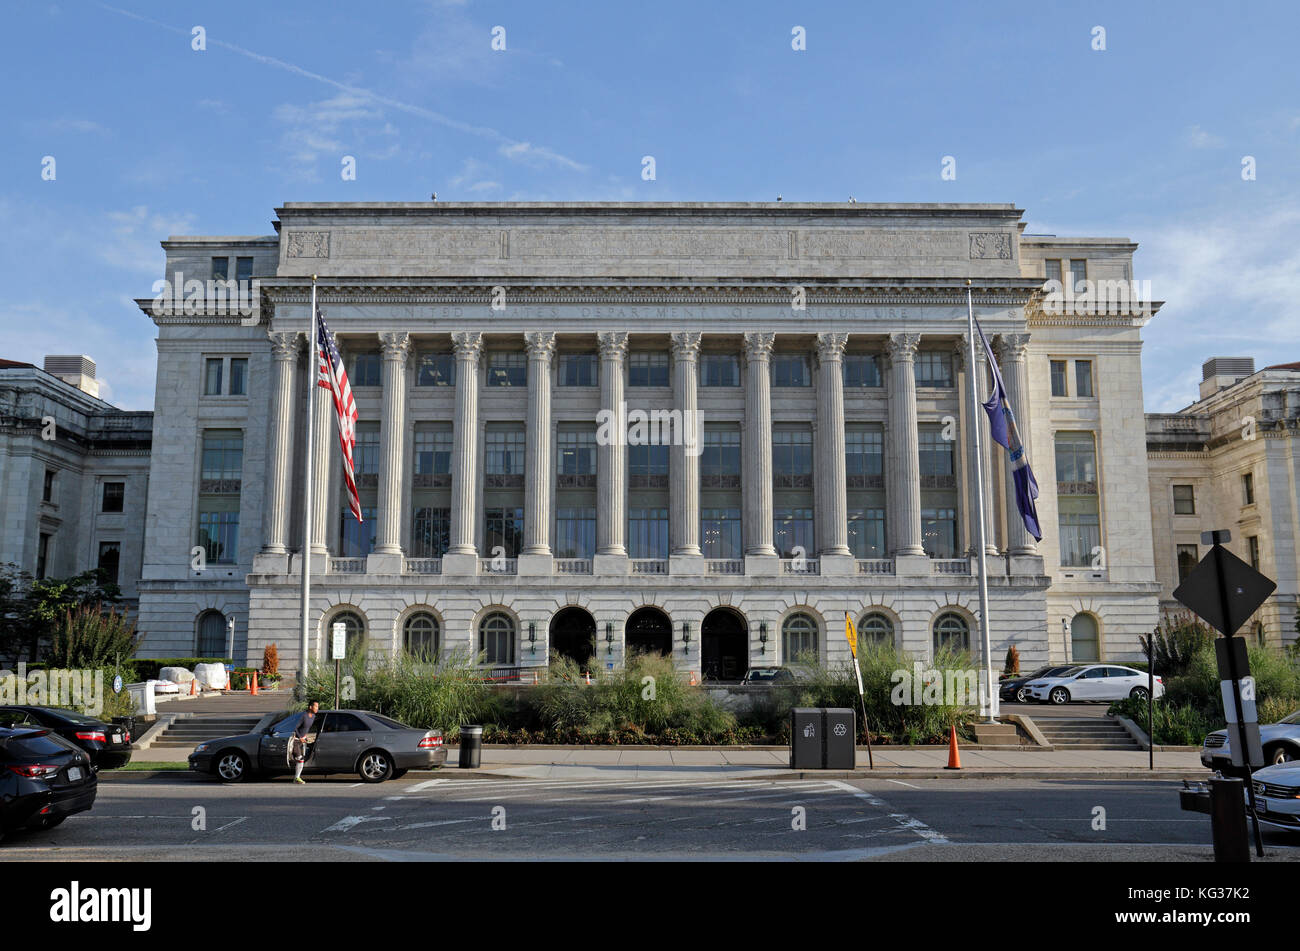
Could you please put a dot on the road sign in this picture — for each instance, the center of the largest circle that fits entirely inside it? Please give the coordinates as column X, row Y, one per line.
column 340, row 646
column 850, row 634
column 1243, row 590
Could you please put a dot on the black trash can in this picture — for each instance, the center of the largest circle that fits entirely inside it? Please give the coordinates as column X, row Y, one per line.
column 807, row 750
column 471, row 746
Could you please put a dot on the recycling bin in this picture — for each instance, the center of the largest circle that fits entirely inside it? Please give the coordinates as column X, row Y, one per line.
column 471, row 746
column 840, row 734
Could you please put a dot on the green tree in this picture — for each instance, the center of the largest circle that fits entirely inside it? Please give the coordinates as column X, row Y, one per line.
column 49, row 600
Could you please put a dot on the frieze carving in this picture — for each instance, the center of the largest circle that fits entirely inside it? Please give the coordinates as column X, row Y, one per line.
column 309, row 244
column 990, row 246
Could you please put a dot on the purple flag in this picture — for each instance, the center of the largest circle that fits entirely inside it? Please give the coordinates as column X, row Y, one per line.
column 1002, row 427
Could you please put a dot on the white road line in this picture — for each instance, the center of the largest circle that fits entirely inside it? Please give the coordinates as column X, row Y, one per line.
column 904, row 820
column 901, row 783
column 348, row 822
column 441, row 822
column 229, row 824
column 425, row 785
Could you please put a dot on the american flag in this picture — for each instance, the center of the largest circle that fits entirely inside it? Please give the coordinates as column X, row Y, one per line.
column 334, row 378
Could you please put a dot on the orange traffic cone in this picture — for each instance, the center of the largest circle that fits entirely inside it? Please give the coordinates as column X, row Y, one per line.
column 954, row 757
column 534, row 676
column 252, row 684
column 693, row 682
column 588, row 673
column 194, row 687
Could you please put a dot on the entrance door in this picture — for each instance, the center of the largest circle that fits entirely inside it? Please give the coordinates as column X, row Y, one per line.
column 573, row 635
column 649, row 632
column 724, row 652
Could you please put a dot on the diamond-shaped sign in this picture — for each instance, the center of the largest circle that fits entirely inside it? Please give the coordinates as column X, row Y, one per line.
column 1244, row 590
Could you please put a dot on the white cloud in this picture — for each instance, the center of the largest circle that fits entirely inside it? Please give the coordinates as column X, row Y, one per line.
column 1199, row 138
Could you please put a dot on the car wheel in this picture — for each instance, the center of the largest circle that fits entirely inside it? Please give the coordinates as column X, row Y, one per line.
column 1283, row 754
column 1022, row 695
column 1059, row 695
column 232, row 766
column 375, row 767
column 1139, row 693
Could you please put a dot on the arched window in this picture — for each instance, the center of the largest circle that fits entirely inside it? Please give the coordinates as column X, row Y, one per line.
column 212, row 634
column 1083, row 638
column 1261, row 636
column 952, row 632
column 356, row 631
column 876, row 630
column 420, row 635
column 798, row 637
column 497, row 639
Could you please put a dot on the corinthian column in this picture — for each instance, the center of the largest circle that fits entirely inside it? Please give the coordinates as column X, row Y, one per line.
column 981, row 372
column 285, row 348
column 325, row 437
column 684, row 460
column 538, row 465
column 461, row 557
column 611, row 460
column 832, row 500
column 1016, row 380
column 904, row 482
column 392, row 442
column 757, row 450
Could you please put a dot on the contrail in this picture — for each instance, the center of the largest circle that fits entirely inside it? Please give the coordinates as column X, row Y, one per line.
column 510, row 146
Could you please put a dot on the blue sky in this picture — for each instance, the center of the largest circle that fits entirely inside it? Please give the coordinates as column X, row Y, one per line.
column 1144, row 140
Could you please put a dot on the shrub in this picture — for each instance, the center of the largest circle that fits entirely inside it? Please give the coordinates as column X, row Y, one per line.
column 89, row 636
column 1012, row 666
column 270, row 659
column 1177, row 643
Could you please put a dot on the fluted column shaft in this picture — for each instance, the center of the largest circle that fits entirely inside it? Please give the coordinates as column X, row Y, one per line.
column 684, row 484
column 1015, row 378
column 285, row 348
column 757, row 448
column 832, row 497
column 537, row 463
column 904, row 483
column 464, row 458
column 324, row 437
column 611, row 453
column 392, row 442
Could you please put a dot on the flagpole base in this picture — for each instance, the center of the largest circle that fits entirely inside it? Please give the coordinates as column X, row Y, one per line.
column 1021, row 565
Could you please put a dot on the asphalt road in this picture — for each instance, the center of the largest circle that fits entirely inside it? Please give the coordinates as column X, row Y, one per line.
column 422, row 818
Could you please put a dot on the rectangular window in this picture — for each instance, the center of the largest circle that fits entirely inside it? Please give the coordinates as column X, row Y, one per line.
column 934, row 369
column 222, row 461
column 212, row 377
column 42, row 554
column 791, row 369
column 575, row 532
column 719, row 369
column 1083, row 379
column 218, row 534
column 1078, row 274
column 367, row 370
column 435, row 369
column 243, row 269
column 1052, row 270
column 1059, row 386
column 575, row 454
column 720, row 459
column 792, row 528
column 503, row 528
column 939, row 532
column 644, row 463
column 47, row 488
column 867, row 532
column 239, row 376
column 431, row 532
column 1248, row 489
column 647, row 369
column 720, row 533
column 861, row 370
column 1184, row 500
column 936, row 457
column 1080, row 529
column 220, row 269
column 578, row 369
column 792, row 458
column 110, row 555
column 647, row 533
column 114, row 495
column 1187, row 559
column 864, row 456
column 505, row 452
column 1076, row 463
column 356, row 540
column 365, row 454
column 507, row 369
column 433, row 452
column 1252, row 549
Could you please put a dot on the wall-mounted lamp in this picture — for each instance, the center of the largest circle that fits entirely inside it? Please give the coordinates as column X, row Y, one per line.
column 532, row 638
column 686, row 636
column 609, row 638
column 762, row 637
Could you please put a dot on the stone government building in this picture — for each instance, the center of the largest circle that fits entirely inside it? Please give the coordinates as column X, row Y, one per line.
column 496, row 521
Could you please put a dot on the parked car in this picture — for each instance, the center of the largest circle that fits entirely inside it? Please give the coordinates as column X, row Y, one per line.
column 768, row 677
column 1277, row 794
column 342, row 741
column 1280, row 740
column 1092, row 682
column 43, row 779
column 1016, row 688
column 107, row 744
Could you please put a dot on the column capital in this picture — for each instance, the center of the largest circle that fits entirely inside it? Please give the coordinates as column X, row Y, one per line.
column 960, row 353
column 613, row 344
column 902, row 346
column 285, row 345
column 467, row 344
column 686, row 345
column 830, row 347
column 541, row 344
column 1013, row 346
column 396, row 345
column 758, row 346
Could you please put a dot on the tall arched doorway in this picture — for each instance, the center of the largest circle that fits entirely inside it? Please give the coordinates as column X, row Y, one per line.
column 649, row 631
column 724, row 647
column 1083, row 638
column 573, row 635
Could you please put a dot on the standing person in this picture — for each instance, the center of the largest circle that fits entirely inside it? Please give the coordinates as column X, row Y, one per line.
column 298, row 743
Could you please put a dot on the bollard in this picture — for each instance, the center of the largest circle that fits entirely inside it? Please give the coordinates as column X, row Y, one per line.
column 1228, row 820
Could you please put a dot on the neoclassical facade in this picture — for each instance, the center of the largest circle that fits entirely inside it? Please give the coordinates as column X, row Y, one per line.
column 710, row 430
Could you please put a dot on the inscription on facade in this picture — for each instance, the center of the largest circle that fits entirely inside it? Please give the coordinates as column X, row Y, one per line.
column 990, row 245
column 309, row 244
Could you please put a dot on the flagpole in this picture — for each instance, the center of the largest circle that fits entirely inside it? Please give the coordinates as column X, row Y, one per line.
column 979, row 506
column 313, row 371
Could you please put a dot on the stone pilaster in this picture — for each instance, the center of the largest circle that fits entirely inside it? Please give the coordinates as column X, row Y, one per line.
column 832, row 498
column 684, row 460
column 903, row 484
column 756, row 450
column 325, row 503
column 461, row 557
column 1015, row 378
column 611, row 461
column 285, row 349
column 536, row 557
column 387, row 556
column 981, row 373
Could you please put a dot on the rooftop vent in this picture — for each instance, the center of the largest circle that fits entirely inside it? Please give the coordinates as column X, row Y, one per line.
column 75, row 369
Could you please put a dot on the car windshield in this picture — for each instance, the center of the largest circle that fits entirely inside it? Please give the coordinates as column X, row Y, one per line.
column 391, row 724
column 39, row 745
column 73, row 716
column 1068, row 672
column 287, row 724
column 1292, row 719
column 770, row 673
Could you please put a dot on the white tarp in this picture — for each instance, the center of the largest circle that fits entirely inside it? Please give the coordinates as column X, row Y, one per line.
column 211, row 675
column 177, row 675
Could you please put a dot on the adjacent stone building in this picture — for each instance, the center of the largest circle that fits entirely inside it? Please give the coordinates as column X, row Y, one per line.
column 791, row 379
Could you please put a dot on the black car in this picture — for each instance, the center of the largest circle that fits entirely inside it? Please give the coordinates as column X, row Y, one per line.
column 108, row 745
column 43, row 780
column 1014, row 689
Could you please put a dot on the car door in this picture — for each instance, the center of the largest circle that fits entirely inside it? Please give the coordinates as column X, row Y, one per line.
column 273, row 747
column 1088, row 685
column 1120, row 680
column 342, row 738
